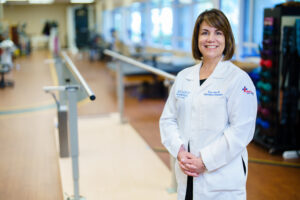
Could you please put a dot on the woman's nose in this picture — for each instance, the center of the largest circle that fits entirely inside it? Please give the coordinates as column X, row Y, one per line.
column 211, row 37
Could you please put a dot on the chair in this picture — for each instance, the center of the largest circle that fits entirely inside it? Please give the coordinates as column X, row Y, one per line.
column 5, row 83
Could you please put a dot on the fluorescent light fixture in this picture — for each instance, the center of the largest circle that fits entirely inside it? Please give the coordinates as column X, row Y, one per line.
column 41, row 1
column 82, row 1
column 2, row 1
column 185, row 1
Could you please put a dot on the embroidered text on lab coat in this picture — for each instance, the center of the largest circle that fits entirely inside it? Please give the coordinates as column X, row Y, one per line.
column 182, row 94
column 213, row 93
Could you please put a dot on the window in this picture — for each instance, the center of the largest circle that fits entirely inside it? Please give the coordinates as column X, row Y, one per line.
column 166, row 21
column 169, row 23
column 185, row 15
column 135, row 27
column 199, row 7
column 247, row 25
column 184, row 27
column 231, row 10
column 117, row 23
column 162, row 25
column 155, row 19
column 106, row 25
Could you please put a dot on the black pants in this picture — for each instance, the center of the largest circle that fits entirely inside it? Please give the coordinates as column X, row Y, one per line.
column 189, row 185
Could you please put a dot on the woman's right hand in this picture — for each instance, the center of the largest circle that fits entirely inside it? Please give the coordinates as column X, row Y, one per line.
column 182, row 157
column 182, row 153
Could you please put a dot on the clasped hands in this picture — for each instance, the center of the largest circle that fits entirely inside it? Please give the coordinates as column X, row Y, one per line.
column 190, row 164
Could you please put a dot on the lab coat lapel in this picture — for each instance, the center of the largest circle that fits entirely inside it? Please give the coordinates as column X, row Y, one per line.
column 193, row 76
column 218, row 73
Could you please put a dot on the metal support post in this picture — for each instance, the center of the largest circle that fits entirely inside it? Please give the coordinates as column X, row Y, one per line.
column 62, row 114
column 120, row 92
column 72, row 99
column 62, row 120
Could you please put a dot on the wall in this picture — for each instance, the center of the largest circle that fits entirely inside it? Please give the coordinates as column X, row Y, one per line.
column 98, row 15
column 35, row 16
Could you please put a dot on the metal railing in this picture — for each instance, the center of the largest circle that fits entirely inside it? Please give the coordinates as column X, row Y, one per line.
column 120, row 93
column 71, row 91
column 78, row 76
column 120, row 85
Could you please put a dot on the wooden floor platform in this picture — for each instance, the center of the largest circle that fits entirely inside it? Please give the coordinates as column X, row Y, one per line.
column 115, row 163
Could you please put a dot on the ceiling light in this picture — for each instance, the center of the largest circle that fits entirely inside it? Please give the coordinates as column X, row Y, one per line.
column 15, row 0
column 185, row 1
column 41, row 1
column 82, row 1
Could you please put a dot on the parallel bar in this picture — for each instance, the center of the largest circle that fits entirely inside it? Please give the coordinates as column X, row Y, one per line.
column 140, row 64
column 78, row 76
column 120, row 94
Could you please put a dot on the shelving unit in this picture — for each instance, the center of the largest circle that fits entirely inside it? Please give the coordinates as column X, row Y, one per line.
column 278, row 87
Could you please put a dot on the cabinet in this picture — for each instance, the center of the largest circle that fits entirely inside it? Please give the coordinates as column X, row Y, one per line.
column 277, row 126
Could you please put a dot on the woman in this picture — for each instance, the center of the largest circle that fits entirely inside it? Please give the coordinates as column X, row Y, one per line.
column 209, row 117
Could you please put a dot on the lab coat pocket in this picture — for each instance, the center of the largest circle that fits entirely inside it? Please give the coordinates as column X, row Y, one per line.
column 228, row 177
column 215, row 114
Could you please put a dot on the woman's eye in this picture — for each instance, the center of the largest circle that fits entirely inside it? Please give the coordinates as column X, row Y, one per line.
column 203, row 33
column 219, row 33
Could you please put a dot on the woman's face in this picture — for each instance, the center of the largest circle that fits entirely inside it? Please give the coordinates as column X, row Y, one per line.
column 211, row 41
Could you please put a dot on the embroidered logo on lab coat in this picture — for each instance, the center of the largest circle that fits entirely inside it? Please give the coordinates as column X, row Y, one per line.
column 182, row 94
column 213, row 93
column 245, row 90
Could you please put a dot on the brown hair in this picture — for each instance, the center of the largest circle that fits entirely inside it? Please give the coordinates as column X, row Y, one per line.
column 217, row 19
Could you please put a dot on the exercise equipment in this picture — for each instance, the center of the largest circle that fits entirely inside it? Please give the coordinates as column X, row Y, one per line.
column 7, row 48
column 266, row 53
column 290, row 89
column 264, row 86
column 255, row 76
column 266, row 74
column 268, row 42
column 264, row 111
column 278, row 88
column 268, row 30
column 266, row 63
column 265, row 99
column 4, row 69
column 268, row 21
column 264, row 124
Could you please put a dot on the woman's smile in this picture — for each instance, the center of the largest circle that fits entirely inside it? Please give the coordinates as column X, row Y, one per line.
column 211, row 41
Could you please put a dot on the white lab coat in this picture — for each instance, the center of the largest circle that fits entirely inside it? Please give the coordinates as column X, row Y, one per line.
column 218, row 120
